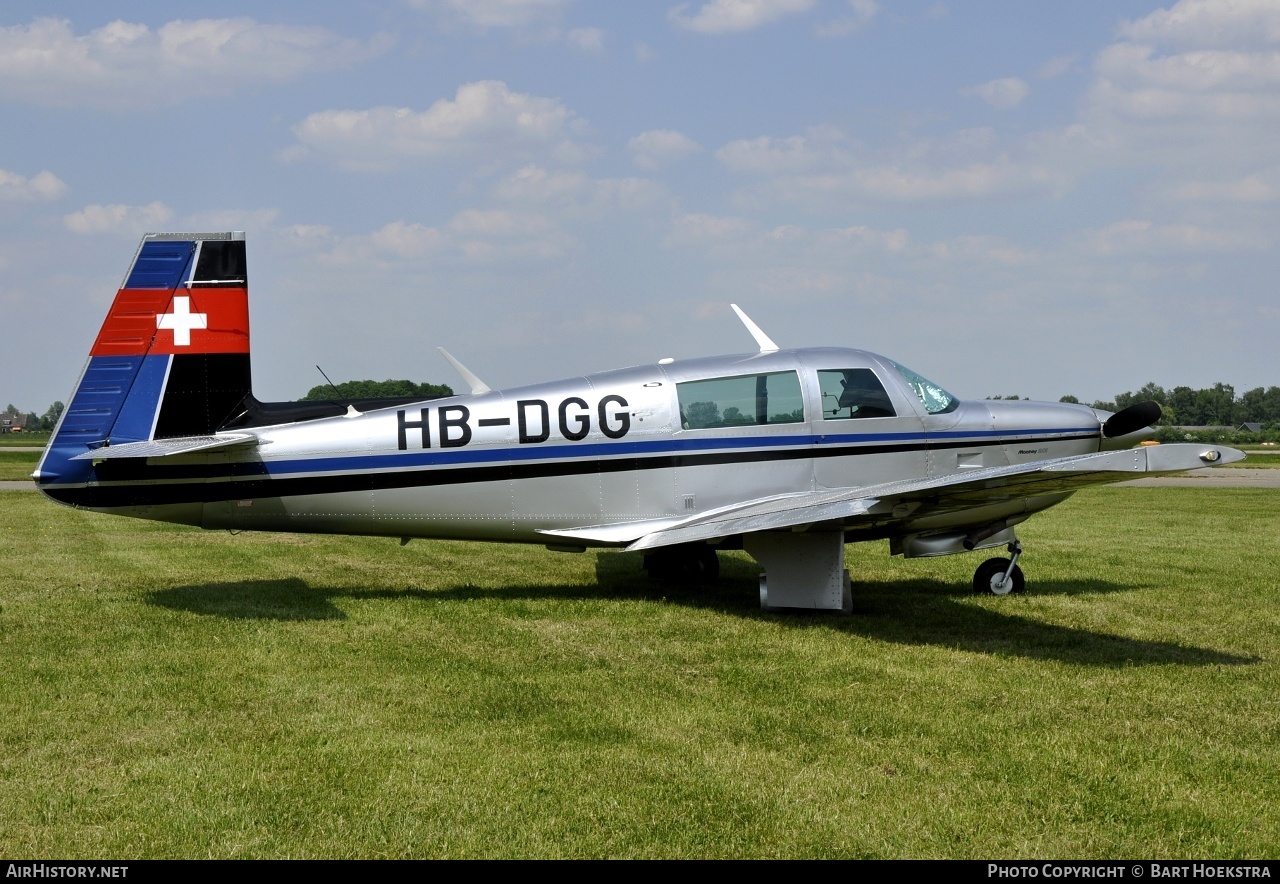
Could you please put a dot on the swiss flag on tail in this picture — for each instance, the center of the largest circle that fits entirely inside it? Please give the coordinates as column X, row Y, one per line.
column 180, row 296
column 159, row 323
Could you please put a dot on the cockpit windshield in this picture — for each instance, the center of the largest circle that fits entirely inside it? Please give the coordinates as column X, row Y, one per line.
column 935, row 399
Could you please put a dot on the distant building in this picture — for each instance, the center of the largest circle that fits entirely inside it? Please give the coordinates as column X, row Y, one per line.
column 13, row 423
column 1250, row 427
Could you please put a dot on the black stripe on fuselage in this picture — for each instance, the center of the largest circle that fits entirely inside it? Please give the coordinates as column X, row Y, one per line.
column 128, row 482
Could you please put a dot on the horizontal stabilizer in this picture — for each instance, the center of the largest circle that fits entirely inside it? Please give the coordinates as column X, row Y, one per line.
column 168, row 447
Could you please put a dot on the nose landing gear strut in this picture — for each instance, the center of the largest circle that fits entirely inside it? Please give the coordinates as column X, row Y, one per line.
column 1000, row 576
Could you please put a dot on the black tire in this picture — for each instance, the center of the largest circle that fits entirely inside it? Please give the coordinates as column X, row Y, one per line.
column 686, row 563
column 707, row 565
column 984, row 579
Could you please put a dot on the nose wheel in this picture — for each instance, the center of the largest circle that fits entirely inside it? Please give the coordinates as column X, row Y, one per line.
column 1000, row 576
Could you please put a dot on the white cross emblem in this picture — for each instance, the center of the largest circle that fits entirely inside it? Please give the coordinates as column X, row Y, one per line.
column 182, row 321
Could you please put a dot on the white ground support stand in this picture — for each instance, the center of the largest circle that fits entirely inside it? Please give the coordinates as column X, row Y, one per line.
column 801, row 570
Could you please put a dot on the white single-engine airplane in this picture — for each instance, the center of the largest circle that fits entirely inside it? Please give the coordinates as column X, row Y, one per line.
column 788, row 454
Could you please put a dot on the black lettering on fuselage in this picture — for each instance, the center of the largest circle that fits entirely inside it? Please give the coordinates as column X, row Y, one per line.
column 533, row 422
column 623, row 418
column 402, row 425
column 459, row 423
column 584, row 422
column 522, row 420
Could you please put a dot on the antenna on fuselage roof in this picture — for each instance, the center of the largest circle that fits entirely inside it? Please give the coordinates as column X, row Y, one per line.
column 477, row 386
column 351, row 409
column 766, row 343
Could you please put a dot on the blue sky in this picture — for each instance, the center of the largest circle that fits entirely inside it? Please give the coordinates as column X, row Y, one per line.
column 1011, row 198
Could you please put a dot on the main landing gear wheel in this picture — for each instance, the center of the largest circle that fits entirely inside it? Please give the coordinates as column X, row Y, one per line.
column 685, row 563
column 990, row 578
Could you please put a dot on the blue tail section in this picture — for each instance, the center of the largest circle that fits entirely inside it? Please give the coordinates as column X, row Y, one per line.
column 171, row 358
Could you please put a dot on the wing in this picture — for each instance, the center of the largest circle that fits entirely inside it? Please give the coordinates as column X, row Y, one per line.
column 914, row 498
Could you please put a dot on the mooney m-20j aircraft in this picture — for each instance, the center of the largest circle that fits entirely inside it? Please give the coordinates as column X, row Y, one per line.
column 788, row 454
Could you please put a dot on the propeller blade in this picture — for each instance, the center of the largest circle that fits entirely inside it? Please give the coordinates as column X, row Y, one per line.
column 1135, row 417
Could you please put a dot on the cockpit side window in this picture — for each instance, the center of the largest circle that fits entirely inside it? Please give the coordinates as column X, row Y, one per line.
column 935, row 399
column 754, row 399
column 853, row 393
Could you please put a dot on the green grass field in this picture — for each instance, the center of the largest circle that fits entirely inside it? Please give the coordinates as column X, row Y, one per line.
column 176, row 693
column 23, row 440
column 17, row 465
column 1261, row 459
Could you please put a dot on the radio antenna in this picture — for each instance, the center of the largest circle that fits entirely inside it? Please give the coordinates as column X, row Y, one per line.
column 351, row 409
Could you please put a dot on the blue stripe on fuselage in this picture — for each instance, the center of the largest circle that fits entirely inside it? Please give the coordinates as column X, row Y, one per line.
column 474, row 455
column 450, row 457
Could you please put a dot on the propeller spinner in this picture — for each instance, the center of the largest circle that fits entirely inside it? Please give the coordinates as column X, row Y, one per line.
column 1136, row 417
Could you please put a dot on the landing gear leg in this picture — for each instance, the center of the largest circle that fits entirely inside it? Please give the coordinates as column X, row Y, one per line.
column 801, row 570
column 1000, row 576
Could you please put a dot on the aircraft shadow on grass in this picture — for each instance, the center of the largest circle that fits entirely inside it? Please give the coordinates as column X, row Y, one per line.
column 912, row 612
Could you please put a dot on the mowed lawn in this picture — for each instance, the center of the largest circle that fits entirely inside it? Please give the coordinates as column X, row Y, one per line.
column 169, row 692
column 17, row 466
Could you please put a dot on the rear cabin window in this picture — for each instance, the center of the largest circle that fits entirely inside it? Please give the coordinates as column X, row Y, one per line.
column 853, row 393
column 743, row 401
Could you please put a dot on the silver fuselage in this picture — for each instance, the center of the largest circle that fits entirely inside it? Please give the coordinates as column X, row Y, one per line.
column 602, row 449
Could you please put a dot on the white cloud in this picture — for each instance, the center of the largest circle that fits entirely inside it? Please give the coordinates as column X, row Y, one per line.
column 127, row 66
column 1194, row 80
column 472, row 237
column 860, row 236
column 1200, row 23
column 574, row 193
column 702, row 228
column 1056, row 67
column 825, row 168
column 727, row 16
column 1142, row 237
column 484, row 122
column 982, row 250
column 741, row 243
column 249, row 220
column 117, row 218
column 1002, row 94
column 587, row 39
column 498, row 13
column 998, row 178
column 861, row 12
column 660, row 147
column 1263, row 187
column 822, row 147
column 41, row 186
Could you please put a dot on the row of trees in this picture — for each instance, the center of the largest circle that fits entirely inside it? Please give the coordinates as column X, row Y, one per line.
column 1216, row 406
column 374, row 390
column 1213, row 406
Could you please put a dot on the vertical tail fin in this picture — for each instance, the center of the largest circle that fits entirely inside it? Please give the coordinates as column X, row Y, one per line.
column 172, row 357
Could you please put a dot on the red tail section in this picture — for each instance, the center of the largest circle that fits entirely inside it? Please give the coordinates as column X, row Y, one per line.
column 172, row 357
